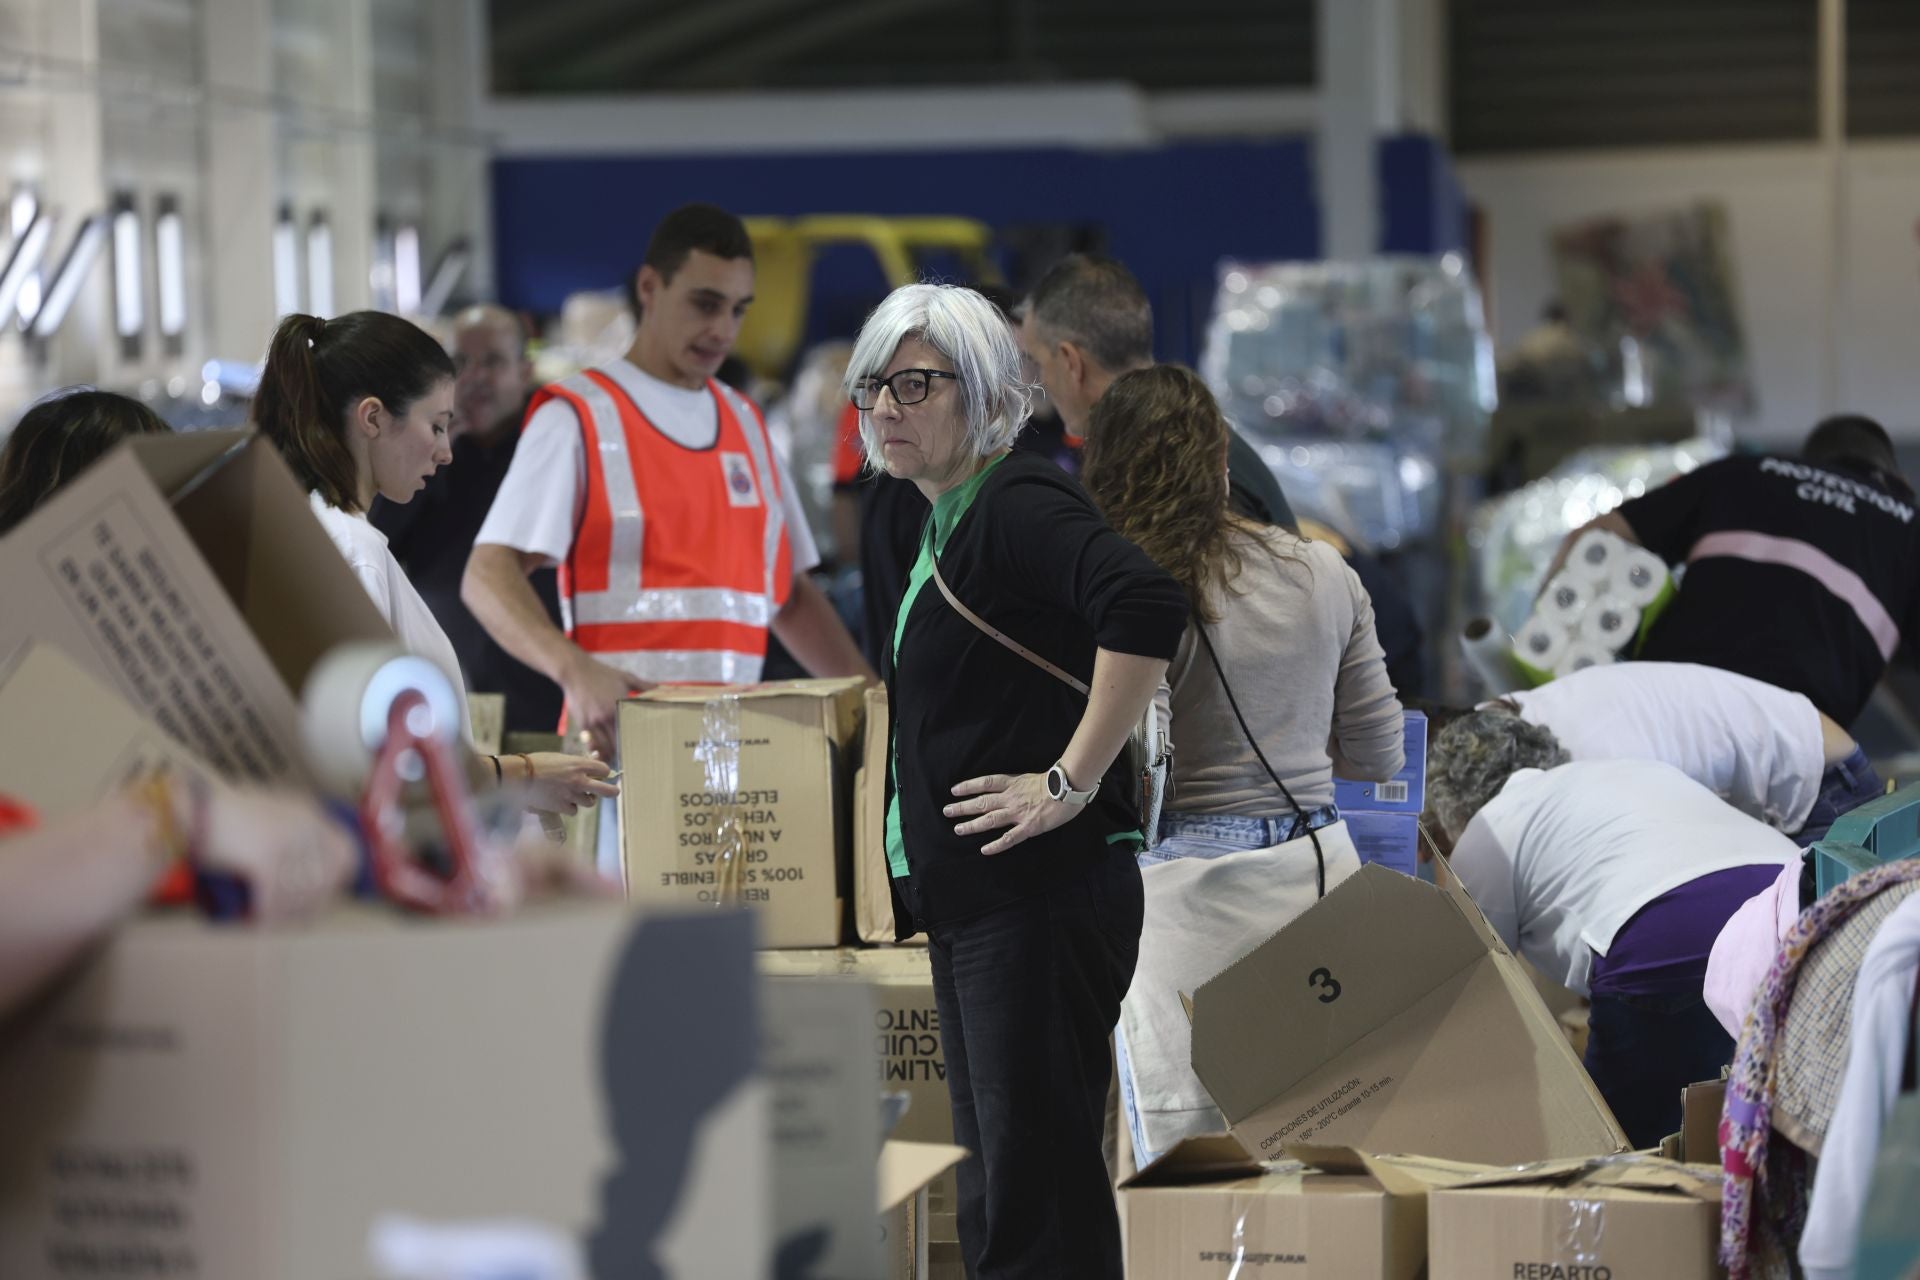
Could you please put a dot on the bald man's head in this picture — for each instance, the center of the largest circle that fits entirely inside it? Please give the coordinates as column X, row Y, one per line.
column 493, row 376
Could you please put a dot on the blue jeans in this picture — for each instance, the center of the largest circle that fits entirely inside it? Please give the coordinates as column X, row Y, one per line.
column 1643, row 1050
column 1028, row 994
column 1846, row 785
column 1209, row 835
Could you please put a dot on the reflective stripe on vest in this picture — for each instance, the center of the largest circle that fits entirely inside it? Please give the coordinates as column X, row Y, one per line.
column 665, row 599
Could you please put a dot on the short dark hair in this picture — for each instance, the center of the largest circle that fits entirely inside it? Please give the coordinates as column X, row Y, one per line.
column 1094, row 302
column 319, row 369
column 1857, row 439
column 60, row 437
column 705, row 227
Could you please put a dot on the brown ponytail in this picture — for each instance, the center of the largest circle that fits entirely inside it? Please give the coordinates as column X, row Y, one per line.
column 317, row 370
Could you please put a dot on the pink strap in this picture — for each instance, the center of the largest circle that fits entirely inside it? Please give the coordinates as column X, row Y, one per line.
column 1791, row 553
column 1008, row 641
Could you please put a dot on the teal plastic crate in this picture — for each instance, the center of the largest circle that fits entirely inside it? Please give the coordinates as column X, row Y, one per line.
column 1883, row 830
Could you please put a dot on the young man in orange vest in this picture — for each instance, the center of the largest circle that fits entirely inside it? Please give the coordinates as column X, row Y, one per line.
column 655, row 489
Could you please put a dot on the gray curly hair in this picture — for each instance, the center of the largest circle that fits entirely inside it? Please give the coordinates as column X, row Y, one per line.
column 1473, row 757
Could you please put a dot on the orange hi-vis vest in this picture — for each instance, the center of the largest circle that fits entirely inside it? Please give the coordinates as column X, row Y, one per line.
column 681, row 558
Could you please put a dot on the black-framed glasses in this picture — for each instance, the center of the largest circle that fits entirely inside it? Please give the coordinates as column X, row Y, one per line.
column 909, row 386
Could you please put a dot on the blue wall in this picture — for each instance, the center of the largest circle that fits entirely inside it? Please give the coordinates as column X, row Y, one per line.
column 1171, row 213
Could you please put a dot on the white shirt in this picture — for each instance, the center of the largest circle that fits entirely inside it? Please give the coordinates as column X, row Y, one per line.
column 541, row 501
column 419, row 632
column 1562, row 858
column 1755, row 746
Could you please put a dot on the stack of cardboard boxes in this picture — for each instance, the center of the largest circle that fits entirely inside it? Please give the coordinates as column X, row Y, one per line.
column 580, row 1089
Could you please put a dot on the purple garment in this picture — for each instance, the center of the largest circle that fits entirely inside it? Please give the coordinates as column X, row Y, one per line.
column 1663, row 948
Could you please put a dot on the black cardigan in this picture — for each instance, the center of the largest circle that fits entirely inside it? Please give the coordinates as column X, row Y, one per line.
column 1033, row 557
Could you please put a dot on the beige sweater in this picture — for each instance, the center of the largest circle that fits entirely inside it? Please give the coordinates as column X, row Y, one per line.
column 1299, row 649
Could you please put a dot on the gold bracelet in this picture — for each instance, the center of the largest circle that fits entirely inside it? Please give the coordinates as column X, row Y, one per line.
column 528, row 761
column 155, row 793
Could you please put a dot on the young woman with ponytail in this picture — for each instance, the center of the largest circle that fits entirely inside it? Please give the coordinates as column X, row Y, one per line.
column 359, row 406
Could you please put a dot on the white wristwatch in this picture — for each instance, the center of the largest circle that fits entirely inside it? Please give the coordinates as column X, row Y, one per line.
column 1060, row 787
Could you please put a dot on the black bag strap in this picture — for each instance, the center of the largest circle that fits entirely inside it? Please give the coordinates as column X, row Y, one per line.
column 1299, row 815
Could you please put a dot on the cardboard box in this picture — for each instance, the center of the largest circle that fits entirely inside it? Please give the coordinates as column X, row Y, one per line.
column 906, row 1043
column 872, row 897
column 1390, row 1017
column 1627, row 1218
column 1405, row 792
column 188, row 574
column 826, row 1128
column 228, row 1102
column 1383, row 818
column 1206, row 1209
column 761, row 771
column 84, row 742
column 907, row 1171
column 1698, row 1141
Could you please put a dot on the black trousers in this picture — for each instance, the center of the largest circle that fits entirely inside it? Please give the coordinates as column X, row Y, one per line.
column 1028, row 996
column 1643, row 1050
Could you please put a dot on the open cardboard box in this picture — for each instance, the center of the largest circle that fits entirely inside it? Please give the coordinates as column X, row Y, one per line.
column 1207, row 1209
column 187, row 573
column 220, row 1101
column 1621, row 1216
column 907, row 1171
column 1390, row 1017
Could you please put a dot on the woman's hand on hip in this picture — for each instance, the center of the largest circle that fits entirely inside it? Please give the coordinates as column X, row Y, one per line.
column 1016, row 801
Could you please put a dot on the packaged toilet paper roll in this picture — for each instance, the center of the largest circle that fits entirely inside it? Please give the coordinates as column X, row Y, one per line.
column 1488, row 650
column 1595, row 555
column 1580, row 655
column 1541, row 643
column 1639, row 578
column 1565, row 600
column 1610, row 623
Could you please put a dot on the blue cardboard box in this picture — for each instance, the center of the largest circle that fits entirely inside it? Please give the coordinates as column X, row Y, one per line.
column 1384, row 817
column 1390, row 839
column 1405, row 792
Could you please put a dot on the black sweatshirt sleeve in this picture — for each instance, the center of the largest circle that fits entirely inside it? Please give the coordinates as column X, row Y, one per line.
column 1063, row 552
column 1668, row 521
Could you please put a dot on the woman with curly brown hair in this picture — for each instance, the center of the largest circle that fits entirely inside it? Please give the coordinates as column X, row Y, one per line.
column 1278, row 683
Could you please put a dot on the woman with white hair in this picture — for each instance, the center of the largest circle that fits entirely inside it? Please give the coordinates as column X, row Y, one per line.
column 1028, row 642
column 1614, row 877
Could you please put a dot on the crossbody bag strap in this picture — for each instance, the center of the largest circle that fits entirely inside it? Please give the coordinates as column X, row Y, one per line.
column 1005, row 639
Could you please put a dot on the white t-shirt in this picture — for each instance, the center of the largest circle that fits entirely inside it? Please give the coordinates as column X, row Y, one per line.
column 541, row 501
column 1756, row 746
column 366, row 552
column 1562, row 858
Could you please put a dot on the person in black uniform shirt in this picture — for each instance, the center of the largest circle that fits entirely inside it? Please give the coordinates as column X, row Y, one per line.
column 1804, row 573
column 1011, row 828
column 432, row 535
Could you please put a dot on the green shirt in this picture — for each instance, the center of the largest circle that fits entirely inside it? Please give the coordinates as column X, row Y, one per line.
column 947, row 510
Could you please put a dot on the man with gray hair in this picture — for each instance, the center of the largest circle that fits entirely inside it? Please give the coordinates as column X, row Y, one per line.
column 1087, row 322
column 1613, row 877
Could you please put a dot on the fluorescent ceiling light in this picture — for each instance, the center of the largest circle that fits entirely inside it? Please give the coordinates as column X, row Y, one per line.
column 129, row 284
column 320, row 265
column 169, row 251
column 406, row 270
column 65, row 286
column 286, row 265
column 22, row 263
column 446, row 278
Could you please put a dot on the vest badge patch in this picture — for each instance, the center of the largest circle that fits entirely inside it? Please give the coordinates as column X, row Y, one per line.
column 741, row 489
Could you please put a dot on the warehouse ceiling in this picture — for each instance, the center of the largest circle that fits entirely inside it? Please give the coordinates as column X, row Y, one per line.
column 628, row 46
column 1558, row 74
